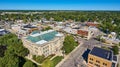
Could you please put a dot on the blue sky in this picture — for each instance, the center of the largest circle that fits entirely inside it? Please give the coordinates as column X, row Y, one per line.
column 60, row 4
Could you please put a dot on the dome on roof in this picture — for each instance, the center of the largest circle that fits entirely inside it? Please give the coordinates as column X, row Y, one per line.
column 113, row 33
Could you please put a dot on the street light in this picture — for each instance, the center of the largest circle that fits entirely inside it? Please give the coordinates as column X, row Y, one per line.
column 63, row 52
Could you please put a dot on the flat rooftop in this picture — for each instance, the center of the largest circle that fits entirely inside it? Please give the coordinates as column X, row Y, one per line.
column 29, row 26
column 43, row 37
column 3, row 31
column 102, row 53
column 115, row 58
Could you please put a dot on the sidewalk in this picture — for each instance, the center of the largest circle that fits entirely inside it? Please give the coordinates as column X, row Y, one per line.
column 67, row 56
column 53, row 57
column 119, row 60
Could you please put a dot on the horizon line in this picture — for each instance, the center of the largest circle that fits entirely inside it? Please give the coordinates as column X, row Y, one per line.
column 54, row 10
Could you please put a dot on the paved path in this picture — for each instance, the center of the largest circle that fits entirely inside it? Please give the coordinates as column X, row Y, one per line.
column 119, row 60
column 33, row 61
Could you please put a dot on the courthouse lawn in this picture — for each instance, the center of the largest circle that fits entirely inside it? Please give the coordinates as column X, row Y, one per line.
column 56, row 60
column 53, row 62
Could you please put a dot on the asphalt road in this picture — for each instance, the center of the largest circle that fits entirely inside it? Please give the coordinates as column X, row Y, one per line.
column 71, row 61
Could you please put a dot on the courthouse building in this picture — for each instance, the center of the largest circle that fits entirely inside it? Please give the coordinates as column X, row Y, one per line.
column 44, row 43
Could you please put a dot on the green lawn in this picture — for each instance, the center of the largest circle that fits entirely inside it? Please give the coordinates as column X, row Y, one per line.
column 56, row 60
column 47, row 63
column 41, row 59
column 53, row 62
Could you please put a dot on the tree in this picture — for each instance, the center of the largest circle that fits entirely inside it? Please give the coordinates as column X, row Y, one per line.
column 9, row 61
column 115, row 50
column 39, row 59
column 83, row 19
column 20, row 50
column 69, row 44
column 8, row 39
column 102, row 40
column 2, row 50
column 13, row 55
column 2, row 64
column 14, row 45
column 47, row 28
column 29, row 64
column 98, row 37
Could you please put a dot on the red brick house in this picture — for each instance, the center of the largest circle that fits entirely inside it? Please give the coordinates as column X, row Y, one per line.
column 92, row 24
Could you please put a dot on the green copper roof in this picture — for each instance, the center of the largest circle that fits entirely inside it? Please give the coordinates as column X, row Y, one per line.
column 46, row 36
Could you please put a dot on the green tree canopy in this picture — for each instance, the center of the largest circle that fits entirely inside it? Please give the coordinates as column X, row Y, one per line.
column 69, row 44
column 2, row 50
column 115, row 50
column 15, row 52
column 9, row 61
column 39, row 59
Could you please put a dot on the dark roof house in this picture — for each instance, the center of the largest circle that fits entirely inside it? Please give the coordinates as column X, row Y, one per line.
column 3, row 32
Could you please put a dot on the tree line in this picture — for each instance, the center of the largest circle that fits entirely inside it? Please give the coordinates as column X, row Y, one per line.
column 12, row 52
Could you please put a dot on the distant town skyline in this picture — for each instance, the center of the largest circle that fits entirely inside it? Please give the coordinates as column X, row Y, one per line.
column 60, row 5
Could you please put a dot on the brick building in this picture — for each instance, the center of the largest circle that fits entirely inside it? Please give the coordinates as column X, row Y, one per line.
column 99, row 57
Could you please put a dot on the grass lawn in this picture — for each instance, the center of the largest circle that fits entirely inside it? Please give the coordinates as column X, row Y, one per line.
column 56, row 60
column 47, row 63
column 53, row 62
